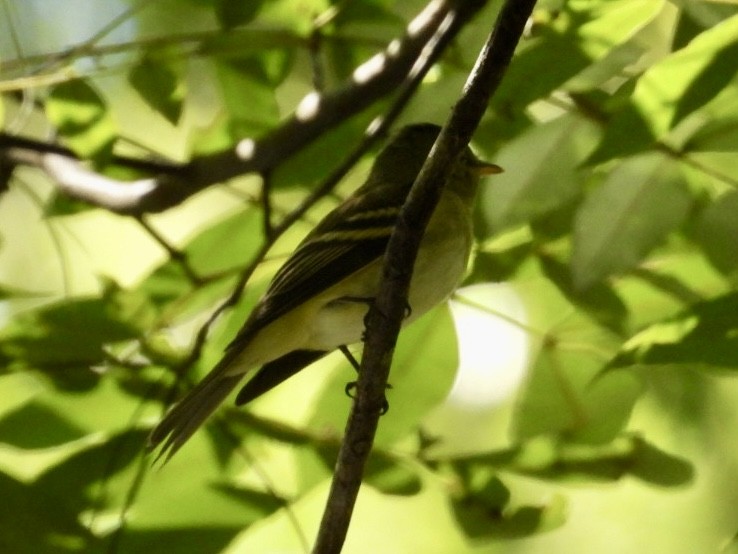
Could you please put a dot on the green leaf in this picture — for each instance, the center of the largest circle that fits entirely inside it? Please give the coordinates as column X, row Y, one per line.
column 232, row 14
column 161, row 87
column 14, row 292
column 530, row 77
column 33, row 527
column 695, row 75
column 318, row 159
column 81, row 115
column 541, row 172
column 704, row 337
column 624, row 456
column 617, row 36
column 390, row 476
column 56, row 429
column 600, row 301
column 212, row 250
column 73, row 333
column 564, row 397
column 483, row 512
column 717, row 232
column 250, row 100
column 627, row 133
column 712, row 56
column 562, row 392
column 638, row 205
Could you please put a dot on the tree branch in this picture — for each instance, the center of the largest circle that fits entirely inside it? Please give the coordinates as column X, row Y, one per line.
column 385, row 316
column 170, row 184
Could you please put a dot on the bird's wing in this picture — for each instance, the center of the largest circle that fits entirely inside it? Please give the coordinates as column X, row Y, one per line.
column 276, row 371
column 348, row 239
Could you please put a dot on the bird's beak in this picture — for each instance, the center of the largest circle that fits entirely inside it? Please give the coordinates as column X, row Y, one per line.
column 486, row 168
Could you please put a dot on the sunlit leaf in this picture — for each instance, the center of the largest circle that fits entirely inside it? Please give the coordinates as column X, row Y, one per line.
column 694, row 74
column 81, row 115
column 704, row 337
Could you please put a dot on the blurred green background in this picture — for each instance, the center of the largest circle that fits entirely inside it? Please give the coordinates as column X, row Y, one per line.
column 591, row 404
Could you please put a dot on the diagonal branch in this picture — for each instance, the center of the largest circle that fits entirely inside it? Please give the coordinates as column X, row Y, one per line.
column 170, row 184
column 385, row 317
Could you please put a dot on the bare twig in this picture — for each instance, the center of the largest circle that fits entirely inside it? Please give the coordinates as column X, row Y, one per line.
column 385, row 316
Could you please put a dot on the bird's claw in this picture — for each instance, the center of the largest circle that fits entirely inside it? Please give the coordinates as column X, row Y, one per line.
column 351, row 387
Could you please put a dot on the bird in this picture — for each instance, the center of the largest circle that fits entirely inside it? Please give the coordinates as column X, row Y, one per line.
column 317, row 301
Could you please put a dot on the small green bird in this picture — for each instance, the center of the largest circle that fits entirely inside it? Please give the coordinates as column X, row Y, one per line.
column 319, row 298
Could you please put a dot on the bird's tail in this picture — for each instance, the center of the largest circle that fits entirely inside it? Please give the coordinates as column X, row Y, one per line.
column 187, row 415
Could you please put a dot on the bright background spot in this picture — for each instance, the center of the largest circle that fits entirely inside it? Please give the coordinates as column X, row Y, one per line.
column 494, row 354
column 493, row 350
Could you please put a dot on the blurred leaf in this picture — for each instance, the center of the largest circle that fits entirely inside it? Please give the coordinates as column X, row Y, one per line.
column 564, row 398
column 33, row 523
column 232, row 14
column 166, row 283
column 74, row 332
column 16, row 390
column 653, row 465
column 695, row 74
column 208, row 537
column 640, row 202
column 717, row 50
column 238, row 42
column 626, row 133
column 7, row 292
column 530, row 78
column 541, row 172
column 482, row 510
column 631, row 456
column 599, row 301
column 212, row 250
column 161, row 87
column 391, row 476
column 249, row 99
column 318, row 159
column 617, row 36
column 704, row 337
column 557, row 223
column 60, row 205
column 717, row 229
column 52, row 428
column 498, row 266
column 81, row 115
column 261, row 503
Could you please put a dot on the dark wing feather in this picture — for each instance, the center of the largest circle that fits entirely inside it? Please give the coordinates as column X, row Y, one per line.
column 273, row 373
column 346, row 240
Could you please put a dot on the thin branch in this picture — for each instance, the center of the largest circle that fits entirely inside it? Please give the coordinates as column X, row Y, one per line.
column 266, row 204
column 170, row 184
column 385, row 316
column 179, row 257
